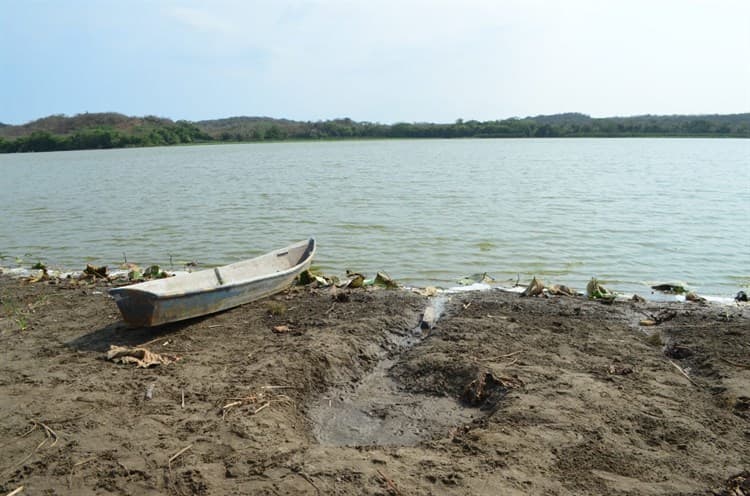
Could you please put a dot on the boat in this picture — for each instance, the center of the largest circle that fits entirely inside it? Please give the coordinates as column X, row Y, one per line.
column 204, row 292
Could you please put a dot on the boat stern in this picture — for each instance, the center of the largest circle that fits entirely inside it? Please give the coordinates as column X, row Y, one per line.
column 136, row 307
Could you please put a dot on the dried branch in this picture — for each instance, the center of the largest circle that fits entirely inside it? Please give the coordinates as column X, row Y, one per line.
column 389, row 484
column 265, row 405
column 309, row 480
column 741, row 365
column 682, row 371
column 497, row 358
column 49, row 433
column 177, row 455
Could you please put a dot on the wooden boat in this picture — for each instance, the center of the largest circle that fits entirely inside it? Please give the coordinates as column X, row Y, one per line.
column 208, row 291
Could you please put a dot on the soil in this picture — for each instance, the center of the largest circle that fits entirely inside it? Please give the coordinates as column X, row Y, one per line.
column 307, row 393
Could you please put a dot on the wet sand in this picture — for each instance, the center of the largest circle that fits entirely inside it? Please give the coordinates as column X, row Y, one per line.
column 505, row 395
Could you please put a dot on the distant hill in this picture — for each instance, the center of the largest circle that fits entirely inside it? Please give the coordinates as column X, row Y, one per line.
column 268, row 128
column 558, row 119
column 97, row 130
column 62, row 124
column 113, row 130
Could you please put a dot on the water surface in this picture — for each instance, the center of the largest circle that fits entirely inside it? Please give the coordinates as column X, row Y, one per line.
column 628, row 211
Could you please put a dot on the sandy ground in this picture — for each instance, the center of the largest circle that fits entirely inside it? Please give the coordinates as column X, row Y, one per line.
column 505, row 395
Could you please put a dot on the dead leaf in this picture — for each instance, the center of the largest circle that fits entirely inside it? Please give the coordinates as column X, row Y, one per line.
column 535, row 288
column 142, row 357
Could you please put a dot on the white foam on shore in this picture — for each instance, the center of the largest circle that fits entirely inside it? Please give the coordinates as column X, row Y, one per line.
column 653, row 296
column 63, row 274
column 477, row 286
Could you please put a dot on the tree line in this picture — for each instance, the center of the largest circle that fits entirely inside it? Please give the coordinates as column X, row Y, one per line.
column 111, row 130
column 105, row 137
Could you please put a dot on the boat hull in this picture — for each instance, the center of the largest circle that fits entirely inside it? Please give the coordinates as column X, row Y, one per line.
column 144, row 305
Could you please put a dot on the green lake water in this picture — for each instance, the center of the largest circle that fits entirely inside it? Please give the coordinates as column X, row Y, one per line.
column 631, row 212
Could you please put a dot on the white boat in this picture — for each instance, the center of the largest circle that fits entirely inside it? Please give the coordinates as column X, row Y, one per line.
column 186, row 296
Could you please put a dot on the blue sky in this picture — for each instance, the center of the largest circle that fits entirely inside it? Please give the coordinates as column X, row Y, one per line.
column 373, row 60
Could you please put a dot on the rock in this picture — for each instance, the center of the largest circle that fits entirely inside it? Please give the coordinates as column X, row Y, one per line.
column 692, row 296
column 619, row 369
column 428, row 318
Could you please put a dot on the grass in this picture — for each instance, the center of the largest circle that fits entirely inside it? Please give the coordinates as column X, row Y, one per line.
column 654, row 339
column 11, row 310
column 19, row 314
column 23, row 324
column 727, row 400
column 276, row 308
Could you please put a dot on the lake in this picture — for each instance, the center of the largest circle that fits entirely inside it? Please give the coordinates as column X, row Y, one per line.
column 631, row 212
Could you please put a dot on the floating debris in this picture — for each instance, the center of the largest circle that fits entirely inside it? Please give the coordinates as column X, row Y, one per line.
column 154, row 272
column 92, row 272
column 476, row 278
column 535, row 288
column 353, row 280
column 670, row 288
column 43, row 275
column 312, row 276
column 383, row 280
column 426, row 291
column 595, row 291
column 561, row 290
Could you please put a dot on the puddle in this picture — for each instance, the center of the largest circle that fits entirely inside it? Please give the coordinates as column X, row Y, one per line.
column 378, row 412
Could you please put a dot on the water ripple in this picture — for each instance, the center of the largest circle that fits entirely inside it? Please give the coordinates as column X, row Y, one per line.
column 427, row 212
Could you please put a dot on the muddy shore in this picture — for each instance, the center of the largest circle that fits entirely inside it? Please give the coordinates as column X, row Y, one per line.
column 303, row 393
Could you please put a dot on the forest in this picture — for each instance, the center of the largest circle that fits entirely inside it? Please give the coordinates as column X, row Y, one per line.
column 114, row 130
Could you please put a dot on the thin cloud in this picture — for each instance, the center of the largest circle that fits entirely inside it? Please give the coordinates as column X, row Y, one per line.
column 203, row 20
column 379, row 60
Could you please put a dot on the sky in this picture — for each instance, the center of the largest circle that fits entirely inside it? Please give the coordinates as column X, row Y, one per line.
column 373, row 60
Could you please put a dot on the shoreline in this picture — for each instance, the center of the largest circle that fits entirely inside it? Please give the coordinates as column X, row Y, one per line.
column 305, row 392
column 651, row 295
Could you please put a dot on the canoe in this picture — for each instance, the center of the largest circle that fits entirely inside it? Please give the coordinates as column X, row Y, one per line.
column 186, row 296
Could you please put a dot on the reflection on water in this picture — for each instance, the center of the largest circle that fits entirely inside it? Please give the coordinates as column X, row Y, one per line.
column 629, row 211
